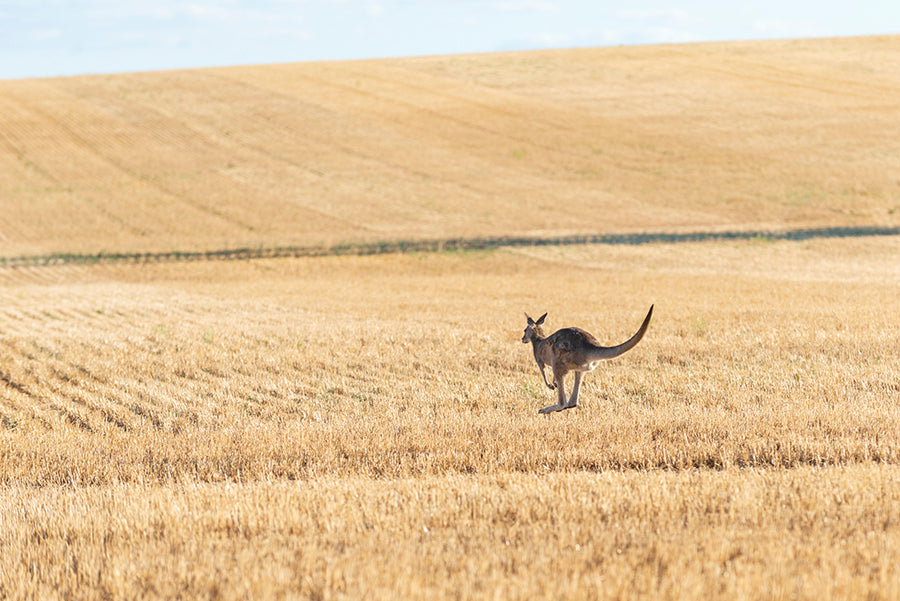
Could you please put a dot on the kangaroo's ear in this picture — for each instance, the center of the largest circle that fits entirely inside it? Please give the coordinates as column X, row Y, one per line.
column 530, row 321
column 540, row 319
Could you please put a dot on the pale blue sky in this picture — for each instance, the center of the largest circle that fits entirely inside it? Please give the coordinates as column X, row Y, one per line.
column 41, row 38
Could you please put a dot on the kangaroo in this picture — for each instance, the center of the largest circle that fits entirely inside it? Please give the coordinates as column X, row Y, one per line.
column 571, row 349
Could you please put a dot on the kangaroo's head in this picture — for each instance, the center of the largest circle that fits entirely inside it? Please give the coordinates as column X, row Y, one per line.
column 533, row 328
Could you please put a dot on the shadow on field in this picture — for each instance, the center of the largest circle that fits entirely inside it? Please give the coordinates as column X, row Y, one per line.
column 449, row 244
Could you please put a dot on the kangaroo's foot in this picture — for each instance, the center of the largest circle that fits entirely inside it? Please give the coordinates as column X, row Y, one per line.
column 570, row 405
column 551, row 409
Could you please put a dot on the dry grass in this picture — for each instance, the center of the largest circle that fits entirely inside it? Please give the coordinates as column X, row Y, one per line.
column 352, row 427
column 736, row 135
column 367, row 427
column 808, row 533
column 280, row 368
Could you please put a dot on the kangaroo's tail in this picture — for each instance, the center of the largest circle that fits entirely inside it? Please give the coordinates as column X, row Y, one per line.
column 610, row 352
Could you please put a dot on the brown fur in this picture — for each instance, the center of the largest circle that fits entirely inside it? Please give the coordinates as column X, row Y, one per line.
column 571, row 349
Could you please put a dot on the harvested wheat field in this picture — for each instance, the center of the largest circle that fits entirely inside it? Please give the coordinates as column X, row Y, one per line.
column 350, row 427
column 713, row 136
column 365, row 427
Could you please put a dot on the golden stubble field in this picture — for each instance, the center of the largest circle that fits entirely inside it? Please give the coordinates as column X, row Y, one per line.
column 351, row 427
column 365, row 427
column 744, row 135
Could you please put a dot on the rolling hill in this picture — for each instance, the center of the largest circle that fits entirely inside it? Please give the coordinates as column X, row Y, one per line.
column 743, row 135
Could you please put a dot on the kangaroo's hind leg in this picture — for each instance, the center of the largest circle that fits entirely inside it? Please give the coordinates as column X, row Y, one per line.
column 576, row 387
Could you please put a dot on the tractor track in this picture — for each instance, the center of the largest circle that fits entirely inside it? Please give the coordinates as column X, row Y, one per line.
column 441, row 245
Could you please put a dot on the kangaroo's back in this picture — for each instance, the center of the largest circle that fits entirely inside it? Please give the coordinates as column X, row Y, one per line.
column 572, row 340
column 574, row 347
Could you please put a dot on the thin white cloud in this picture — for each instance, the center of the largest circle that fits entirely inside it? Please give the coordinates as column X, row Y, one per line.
column 651, row 26
column 652, row 14
column 668, row 35
column 207, row 11
column 247, row 17
column 769, row 27
column 42, row 35
column 527, row 5
column 550, row 40
column 158, row 12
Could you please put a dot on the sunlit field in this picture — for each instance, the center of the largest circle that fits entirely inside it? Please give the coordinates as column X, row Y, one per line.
column 188, row 412
column 352, row 426
column 749, row 135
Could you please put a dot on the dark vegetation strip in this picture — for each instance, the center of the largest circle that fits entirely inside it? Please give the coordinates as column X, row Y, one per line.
column 450, row 244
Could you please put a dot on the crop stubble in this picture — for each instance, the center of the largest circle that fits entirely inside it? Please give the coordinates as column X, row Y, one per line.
column 703, row 136
column 361, row 427
column 314, row 411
